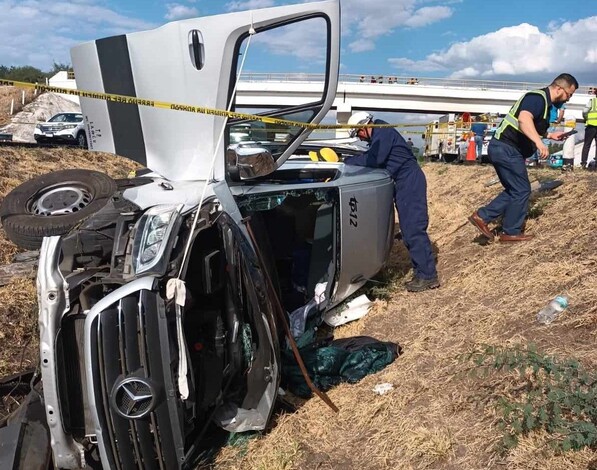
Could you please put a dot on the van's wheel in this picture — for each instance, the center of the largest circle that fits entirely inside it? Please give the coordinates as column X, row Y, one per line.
column 82, row 139
column 52, row 204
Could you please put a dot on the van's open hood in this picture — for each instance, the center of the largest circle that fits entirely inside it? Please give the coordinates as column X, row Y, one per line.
column 161, row 65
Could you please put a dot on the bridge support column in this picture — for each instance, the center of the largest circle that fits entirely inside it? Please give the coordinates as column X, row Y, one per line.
column 343, row 112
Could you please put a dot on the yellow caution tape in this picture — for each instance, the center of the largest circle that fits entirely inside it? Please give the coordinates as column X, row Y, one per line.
column 188, row 108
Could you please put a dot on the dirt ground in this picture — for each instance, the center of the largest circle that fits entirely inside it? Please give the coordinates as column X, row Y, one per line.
column 10, row 94
column 438, row 415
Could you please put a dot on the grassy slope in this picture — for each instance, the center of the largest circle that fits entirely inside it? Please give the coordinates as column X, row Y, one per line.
column 436, row 416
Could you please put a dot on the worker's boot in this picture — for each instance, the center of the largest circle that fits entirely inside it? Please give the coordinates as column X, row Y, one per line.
column 418, row 284
column 521, row 237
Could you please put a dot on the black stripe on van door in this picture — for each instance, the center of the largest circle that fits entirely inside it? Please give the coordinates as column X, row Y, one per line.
column 117, row 75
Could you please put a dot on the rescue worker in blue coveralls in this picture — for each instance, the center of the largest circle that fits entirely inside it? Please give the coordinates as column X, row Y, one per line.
column 517, row 137
column 388, row 150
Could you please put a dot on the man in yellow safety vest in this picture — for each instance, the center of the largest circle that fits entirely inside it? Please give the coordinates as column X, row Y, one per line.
column 517, row 138
column 590, row 115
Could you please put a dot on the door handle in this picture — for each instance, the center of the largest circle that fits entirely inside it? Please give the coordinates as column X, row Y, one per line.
column 196, row 49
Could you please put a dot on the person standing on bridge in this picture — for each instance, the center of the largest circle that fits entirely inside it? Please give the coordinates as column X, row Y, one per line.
column 517, row 137
column 389, row 150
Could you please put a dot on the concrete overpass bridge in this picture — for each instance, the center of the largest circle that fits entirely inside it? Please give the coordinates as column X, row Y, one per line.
column 391, row 93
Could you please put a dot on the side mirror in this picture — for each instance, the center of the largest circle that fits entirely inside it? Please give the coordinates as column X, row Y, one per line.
column 248, row 160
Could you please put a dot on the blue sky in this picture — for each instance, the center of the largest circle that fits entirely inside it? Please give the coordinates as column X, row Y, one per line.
column 520, row 40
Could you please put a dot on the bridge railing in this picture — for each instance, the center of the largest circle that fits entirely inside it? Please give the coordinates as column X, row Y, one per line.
column 401, row 80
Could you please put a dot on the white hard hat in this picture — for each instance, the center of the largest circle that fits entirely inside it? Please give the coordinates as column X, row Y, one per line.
column 358, row 118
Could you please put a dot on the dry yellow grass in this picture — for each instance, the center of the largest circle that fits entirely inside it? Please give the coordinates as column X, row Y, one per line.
column 437, row 416
column 18, row 326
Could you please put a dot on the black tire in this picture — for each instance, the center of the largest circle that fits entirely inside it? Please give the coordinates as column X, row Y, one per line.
column 82, row 139
column 52, row 204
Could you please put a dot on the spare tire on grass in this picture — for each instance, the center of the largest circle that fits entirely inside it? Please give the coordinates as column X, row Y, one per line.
column 52, row 204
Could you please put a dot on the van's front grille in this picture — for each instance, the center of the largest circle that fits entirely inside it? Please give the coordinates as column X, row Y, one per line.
column 132, row 384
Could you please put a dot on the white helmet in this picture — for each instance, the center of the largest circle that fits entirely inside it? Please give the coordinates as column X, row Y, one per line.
column 360, row 117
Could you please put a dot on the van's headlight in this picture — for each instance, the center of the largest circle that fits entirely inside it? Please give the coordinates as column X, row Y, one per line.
column 153, row 235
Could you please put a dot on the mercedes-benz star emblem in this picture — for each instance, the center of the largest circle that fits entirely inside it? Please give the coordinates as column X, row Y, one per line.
column 133, row 397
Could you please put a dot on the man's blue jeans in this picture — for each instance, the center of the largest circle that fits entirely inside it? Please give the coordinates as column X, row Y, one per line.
column 513, row 201
column 479, row 144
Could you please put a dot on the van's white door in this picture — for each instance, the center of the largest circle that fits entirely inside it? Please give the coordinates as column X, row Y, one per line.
column 191, row 64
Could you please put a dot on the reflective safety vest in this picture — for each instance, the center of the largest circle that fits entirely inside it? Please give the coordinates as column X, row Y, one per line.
column 592, row 114
column 510, row 119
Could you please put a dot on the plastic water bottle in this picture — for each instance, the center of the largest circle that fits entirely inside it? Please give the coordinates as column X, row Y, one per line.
column 551, row 311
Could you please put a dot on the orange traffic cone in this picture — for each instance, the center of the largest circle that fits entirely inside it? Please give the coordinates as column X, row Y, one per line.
column 471, row 152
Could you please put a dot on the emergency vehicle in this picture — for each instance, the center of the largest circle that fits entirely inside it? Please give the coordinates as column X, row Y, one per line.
column 443, row 135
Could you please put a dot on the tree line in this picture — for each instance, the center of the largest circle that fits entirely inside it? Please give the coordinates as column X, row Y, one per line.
column 30, row 74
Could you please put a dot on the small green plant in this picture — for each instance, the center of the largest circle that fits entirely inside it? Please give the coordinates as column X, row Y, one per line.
column 442, row 170
column 557, row 395
column 381, row 291
column 537, row 209
column 241, row 441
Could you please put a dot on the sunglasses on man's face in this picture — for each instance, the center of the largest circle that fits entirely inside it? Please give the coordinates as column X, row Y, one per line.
column 568, row 93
